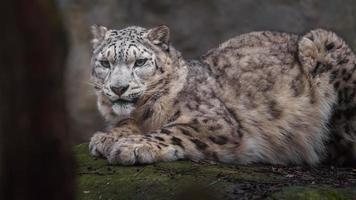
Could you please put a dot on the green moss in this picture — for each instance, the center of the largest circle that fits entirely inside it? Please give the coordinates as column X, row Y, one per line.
column 315, row 193
column 99, row 180
column 182, row 179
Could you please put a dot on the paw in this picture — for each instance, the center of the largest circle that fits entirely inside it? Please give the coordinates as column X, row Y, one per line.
column 128, row 151
column 101, row 144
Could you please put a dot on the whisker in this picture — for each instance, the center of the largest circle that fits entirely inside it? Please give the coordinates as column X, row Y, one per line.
column 97, row 85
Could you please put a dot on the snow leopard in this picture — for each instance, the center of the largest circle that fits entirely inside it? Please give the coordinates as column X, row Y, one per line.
column 261, row 97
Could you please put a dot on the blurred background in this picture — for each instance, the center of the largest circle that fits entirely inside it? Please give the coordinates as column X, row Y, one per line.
column 196, row 26
column 46, row 103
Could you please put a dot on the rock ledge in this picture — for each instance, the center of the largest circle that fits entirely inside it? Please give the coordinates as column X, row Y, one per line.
column 97, row 179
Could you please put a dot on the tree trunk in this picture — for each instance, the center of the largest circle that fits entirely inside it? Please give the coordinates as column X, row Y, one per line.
column 35, row 160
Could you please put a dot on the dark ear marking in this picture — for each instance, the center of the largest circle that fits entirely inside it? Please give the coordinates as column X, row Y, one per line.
column 160, row 36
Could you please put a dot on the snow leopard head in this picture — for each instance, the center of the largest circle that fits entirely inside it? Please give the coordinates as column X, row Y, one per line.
column 126, row 65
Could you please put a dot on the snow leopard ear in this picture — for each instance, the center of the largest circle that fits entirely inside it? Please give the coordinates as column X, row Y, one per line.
column 98, row 34
column 159, row 36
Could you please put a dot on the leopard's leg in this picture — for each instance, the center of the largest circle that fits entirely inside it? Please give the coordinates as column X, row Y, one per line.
column 194, row 141
column 164, row 145
column 101, row 143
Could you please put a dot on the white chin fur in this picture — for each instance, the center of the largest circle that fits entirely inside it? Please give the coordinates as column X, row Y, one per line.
column 123, row 110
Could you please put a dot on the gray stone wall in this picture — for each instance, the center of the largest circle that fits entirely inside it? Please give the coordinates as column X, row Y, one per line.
column 196, row 26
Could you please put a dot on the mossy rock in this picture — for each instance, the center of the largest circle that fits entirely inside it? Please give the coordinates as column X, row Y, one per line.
column 97, row 180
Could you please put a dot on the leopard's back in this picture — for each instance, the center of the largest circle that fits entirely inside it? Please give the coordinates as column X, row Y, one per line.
column 264, row 77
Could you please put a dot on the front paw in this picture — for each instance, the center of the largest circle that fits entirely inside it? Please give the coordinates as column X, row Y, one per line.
column 101, row 144
column 126, row 152
column 130, row 151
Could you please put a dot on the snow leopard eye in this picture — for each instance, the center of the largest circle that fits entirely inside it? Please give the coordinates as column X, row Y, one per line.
column 140, row 62
column 105, row 63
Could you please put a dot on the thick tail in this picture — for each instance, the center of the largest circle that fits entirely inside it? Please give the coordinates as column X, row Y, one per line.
column 327, row 57
column 321, row 51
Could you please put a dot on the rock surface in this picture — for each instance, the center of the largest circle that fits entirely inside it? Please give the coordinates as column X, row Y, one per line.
column 188, row 180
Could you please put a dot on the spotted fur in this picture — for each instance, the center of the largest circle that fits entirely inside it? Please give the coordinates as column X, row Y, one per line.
column 264, row 97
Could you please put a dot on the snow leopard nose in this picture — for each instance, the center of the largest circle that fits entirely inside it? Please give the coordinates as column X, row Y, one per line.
column 119, row 90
